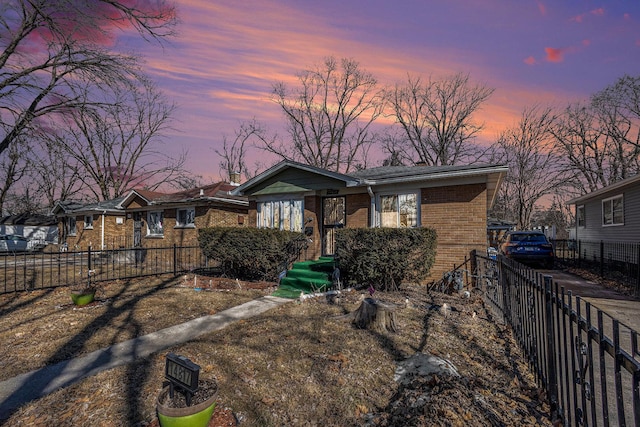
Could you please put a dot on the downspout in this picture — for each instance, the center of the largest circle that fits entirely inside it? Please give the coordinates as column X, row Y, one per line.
column 102, row 230
column 372, row 219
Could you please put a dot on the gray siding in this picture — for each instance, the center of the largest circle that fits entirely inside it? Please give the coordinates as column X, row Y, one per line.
column 629, row 232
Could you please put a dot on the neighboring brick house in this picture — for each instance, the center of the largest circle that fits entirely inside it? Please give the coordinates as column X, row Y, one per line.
column 99, row 225
column 158, row 219
column 143, row 218
column 454, row 200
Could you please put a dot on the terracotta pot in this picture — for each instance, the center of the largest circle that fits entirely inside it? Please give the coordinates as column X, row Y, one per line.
column 81, row 297
column 191, row 416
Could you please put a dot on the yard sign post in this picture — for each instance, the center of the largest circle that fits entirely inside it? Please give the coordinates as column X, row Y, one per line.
column 182, row 374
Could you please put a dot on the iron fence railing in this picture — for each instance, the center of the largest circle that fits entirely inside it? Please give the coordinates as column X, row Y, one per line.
column 30, row 271
column 610, row 260
column 588, row 361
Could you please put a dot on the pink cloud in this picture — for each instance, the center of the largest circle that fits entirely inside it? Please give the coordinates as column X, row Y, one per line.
column 577, row 18
column 598, row 12
column 542, row 8
column 530, row 60
column 586, row 42
column 554, row 55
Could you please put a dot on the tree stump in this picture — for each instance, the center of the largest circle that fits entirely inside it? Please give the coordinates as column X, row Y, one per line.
column 375, row 314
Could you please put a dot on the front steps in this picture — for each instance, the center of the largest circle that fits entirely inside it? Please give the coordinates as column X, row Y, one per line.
column 307, row 277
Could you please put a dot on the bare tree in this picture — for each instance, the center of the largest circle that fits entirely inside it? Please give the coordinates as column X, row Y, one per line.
column 48, row 47
column 599, row 140
column 14, row 164
column 52, row 175
column 115, row 144
column 233, row 153
column 534, row 169
column 329, row 116
column 436, row 118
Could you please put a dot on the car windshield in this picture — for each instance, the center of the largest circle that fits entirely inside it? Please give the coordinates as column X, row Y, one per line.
column 533, row 238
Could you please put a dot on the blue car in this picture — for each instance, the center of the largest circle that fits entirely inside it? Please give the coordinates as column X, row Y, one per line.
column 13, row 243
column 528, row 247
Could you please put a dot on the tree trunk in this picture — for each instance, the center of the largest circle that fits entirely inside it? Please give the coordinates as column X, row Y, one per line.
column 375, row 314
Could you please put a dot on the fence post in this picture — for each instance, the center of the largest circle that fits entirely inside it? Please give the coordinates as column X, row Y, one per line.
column 601, row 258
column 638, row 270
column 552, row 377
column 579, row 253
column 473, row 266
column 175, row 260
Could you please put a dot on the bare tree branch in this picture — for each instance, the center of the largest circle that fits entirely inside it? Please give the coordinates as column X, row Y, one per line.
column 436, row 118
column 329, row 115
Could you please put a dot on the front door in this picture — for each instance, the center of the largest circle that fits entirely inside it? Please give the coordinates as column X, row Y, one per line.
column 137, row 229
column 334, row 216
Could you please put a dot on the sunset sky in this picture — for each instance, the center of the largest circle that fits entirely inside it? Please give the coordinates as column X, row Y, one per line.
column 229, row 53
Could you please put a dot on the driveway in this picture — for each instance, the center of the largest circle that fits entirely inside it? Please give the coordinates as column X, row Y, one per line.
column 617, row 305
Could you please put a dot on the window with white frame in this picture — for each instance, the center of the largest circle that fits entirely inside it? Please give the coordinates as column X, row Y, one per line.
column 186, row 217
column 88, row 221
column 613, row 211
column 71, row 226
column 580, row 218
column 399, row 210
column 281, row 214
column 155, row 221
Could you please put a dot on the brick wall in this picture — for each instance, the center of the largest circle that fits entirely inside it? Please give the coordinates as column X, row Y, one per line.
column 459, row 216
column 358, row 210
column 113, row 233
column 188, row 236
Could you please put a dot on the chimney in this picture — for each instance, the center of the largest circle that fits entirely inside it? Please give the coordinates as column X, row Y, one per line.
column 234, row 177
column 202, row 191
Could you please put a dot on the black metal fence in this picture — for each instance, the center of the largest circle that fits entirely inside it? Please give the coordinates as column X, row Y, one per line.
column 588, row 361
column 29, row 271
column 611, row 260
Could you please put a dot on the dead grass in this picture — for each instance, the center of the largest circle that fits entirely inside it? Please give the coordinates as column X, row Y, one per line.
column 301, row 364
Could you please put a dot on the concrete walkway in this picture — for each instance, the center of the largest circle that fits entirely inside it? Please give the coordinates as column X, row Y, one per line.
column 33, row 385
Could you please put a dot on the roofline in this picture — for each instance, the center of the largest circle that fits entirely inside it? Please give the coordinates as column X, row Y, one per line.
column 603, row 190
column 432, row 176
column 132, row 193
column 199, row 199
column 350, row 181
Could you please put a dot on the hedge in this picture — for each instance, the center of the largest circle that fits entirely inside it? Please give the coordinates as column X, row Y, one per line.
column 247, row 253
column 385, row 257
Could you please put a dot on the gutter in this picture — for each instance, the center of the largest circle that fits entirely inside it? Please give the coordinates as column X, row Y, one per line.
column 102, row 229
column 372, row 207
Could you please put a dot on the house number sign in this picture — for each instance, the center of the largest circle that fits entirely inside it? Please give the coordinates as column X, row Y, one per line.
column 182, row 374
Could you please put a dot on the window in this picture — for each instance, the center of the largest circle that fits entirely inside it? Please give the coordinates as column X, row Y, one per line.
column 580, row 219
column 71, row 226
column 399, row 210
column 613, row 211
column 154, row 223
column 186, row 217
column 88, row 221
column 281, row 214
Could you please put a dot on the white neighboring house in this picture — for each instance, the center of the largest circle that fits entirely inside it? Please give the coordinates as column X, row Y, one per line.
column 610, row 214
column 39, row 230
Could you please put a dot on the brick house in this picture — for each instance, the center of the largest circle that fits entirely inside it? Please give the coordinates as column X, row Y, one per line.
column 143, row 218
column 99, row 225
column 160, row 219
column 454, row 200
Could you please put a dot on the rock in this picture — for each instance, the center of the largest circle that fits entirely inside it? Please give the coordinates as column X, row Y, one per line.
column 423, row 364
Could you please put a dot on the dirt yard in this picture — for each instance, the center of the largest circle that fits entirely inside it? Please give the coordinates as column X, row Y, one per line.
column 301, row 364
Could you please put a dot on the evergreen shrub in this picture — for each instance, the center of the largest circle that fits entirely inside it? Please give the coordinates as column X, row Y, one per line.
column 385, row 257
column 247, row 253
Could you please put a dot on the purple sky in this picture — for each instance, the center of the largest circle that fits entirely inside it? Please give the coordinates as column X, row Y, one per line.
column 221, row 67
